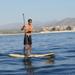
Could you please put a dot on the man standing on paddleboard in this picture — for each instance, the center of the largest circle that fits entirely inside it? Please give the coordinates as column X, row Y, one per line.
column 27, row 37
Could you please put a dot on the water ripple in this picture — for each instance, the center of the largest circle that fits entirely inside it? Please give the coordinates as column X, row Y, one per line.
column 62, row 44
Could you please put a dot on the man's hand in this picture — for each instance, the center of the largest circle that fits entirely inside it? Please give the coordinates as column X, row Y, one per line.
column 23, row 27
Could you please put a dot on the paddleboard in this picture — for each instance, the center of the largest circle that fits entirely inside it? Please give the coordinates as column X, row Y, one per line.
column 32, row 55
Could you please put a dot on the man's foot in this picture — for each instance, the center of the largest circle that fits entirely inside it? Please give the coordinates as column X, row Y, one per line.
column 26, row 55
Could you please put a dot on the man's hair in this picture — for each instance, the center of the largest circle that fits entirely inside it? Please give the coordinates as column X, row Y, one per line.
column 29, row 20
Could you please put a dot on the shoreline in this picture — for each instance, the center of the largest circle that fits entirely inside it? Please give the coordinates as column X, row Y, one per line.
column 38, row 33
column 11, row 34
column 57, row 31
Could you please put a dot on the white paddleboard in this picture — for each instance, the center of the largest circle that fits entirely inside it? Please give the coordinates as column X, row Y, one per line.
column 32, row 55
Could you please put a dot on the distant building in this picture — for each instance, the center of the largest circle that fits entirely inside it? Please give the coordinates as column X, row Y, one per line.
column 73, row 28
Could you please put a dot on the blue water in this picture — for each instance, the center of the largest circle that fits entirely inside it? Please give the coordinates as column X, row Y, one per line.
column 62, row 44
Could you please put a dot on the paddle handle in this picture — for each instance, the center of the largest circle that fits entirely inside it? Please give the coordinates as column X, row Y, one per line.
column 23, row 18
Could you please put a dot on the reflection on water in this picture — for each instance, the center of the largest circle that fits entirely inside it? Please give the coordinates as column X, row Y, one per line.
column 30, row 69
column 28, row 66
column 50, row 61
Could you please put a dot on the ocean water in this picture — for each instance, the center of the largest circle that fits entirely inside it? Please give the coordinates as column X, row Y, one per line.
column 62, row 44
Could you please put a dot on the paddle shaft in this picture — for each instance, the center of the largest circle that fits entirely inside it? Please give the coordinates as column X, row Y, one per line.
column 23, row 19
column 24, row 25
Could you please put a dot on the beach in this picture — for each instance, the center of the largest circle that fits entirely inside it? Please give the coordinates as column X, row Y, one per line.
column 40, row 32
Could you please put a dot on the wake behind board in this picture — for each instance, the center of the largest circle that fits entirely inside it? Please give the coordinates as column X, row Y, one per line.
column 32, row 55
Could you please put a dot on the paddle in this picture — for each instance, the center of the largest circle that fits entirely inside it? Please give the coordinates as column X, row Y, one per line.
column 24, row 30
column 26, row 40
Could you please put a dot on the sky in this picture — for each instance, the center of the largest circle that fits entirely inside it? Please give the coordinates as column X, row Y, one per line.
column 39, row 10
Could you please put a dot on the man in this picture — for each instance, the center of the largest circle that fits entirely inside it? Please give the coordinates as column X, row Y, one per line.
column 27, row 37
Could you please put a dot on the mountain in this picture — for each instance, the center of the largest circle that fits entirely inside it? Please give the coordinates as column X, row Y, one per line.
column 10, row 26
column 66, row 22
column 39, row 25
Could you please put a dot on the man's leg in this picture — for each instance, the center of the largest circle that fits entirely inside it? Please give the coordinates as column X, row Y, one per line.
column 26, row 49
column 29, row 49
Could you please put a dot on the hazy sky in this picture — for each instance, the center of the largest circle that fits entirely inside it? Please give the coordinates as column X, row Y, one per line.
column 39, row 10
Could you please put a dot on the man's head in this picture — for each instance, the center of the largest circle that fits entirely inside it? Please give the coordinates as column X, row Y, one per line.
column 29, row 21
